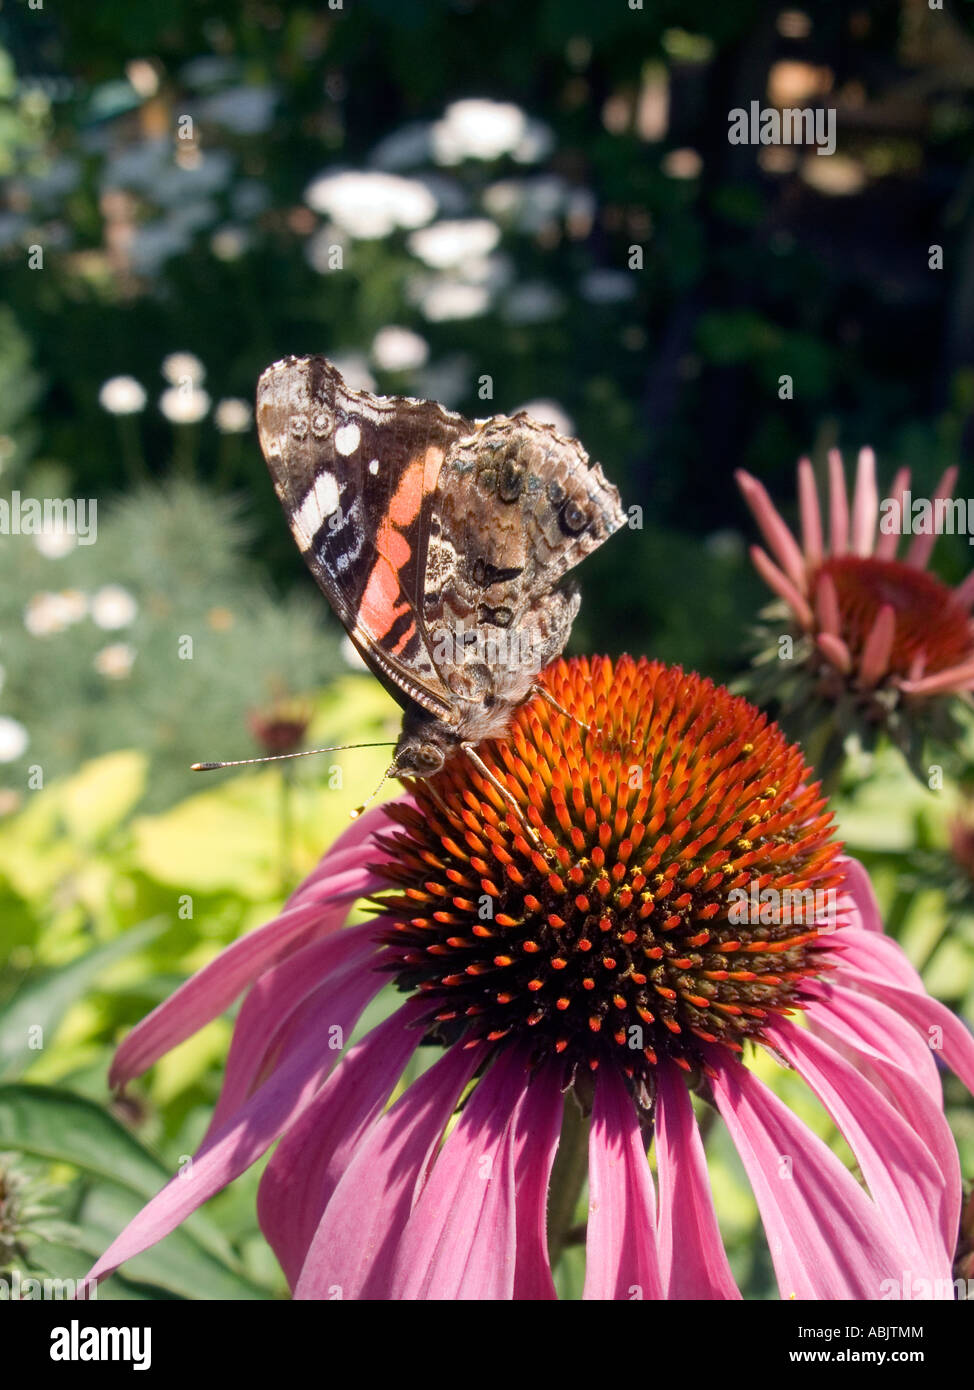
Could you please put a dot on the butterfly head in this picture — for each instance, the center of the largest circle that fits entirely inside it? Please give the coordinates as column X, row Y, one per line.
column 424, row 745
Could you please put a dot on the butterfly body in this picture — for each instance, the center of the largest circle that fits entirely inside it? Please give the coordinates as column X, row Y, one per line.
column 443, row 544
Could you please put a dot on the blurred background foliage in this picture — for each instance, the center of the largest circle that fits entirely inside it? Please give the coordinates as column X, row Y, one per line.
column 431, row 192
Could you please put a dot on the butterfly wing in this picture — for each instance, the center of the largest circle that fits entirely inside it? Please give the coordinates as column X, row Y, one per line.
column 356, row 475
column 517, row 506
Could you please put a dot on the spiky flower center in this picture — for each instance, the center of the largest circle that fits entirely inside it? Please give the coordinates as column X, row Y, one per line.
column 679, row 896
column 929, row 618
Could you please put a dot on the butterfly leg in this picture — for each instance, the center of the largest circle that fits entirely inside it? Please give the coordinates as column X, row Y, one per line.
column 484, row 770
column 546, row 694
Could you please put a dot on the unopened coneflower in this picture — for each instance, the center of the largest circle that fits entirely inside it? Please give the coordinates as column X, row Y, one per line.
column 659, row 895
column 864, row 639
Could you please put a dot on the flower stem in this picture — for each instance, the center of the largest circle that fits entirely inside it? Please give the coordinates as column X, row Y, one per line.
column 567, row 1177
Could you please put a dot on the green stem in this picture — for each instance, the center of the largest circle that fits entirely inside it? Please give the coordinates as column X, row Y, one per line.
column 567, row 1177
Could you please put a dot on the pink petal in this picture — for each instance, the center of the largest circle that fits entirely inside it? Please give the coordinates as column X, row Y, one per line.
column 250, row 1131
column 953, row 680
column 536, row 1142
column 357, row 844
column 459, row 1242
column 781, row 585
column 272, row 1001
column 906, row 1184
column 693, row 1261
column 211, row 990
column 858, row 887
column 888, row 542
column 922, row 546
column 354, row 1242
column 838, row 505
column 811, row 516
column 835, row 651
column 827, row 605
column 878, row 648
column 865, row 506
column 775, row 531
column 308, row 1163
column 826, row 1237
column 621, row 1259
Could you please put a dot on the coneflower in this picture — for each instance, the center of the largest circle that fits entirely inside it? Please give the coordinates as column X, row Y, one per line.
column 688, row 904
column 879, row 643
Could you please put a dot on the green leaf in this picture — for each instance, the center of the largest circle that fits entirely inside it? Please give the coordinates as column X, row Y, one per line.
column 44, row 1001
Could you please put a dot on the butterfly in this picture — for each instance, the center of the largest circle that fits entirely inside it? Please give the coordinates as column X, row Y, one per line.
column 442, row 544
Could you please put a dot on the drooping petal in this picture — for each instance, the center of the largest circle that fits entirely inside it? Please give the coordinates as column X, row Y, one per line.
column 906, row 1184
column 693, row 1261
column 358, row 843
column 251, row 1129
column 459, row 1242
column 621, row 1258
column 838, row 505
column 827, row 1238
column 836, row 651
column 878, row 648
column 276, row 994
column 783, row 544
column 922, row 546
column 951, row 680
column 206, row 994
column 811, row 516
column 858, row 886
column 353, row 1244
column 865, row 505
column 308, row 1163
column 827, row 605
column 781, row 584
column 535, row 1145
column 888, row 541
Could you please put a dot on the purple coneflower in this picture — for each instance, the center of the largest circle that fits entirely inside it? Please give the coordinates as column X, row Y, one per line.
column 662, row 936
column 885, row 644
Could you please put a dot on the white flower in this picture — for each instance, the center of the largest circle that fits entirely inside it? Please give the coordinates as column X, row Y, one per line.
column 183, row 366
column 184, row 407
column 113, row 607
column 55, row 543
column 14, row 739
column 354, row 368
column 369, row 205
column 444, row 299
column 232, row 415
column 229, row 243
column 448, row 244
column 115, row 662
column 549, row 413
column 396, row 349
column 478, row 129
column 122, row 395
column 47, row 614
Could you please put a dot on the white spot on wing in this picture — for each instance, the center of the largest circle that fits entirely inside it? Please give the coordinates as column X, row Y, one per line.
column 374, row 466
column 347, row 439
column 320, row 501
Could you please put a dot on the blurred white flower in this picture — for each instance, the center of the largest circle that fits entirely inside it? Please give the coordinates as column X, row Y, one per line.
column 55, row 543
column 183, row 366
column 233, row 415
column 14, row 739
column 247, row 109
column 115, row 662
column 113, row 607
column 404, row 148
column 229, row 243
column 444, row 298
column 447, row 380
column 184, row 407
column 448, row 244
column 549, row 413
column 47, row 614
column 122, row 395
column 477, row 128
column 534, row 301
column 369, row 205
column 396, row 349
column 607, row 286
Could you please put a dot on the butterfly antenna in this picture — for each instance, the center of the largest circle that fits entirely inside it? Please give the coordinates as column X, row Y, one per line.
column 389, row 772
column 279, row 757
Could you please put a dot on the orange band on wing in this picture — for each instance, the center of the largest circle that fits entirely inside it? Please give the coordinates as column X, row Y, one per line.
column 383, row 602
